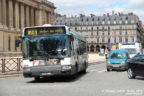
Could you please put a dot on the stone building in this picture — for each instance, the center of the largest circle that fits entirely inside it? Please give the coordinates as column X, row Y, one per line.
column 17, row 14
column 102, row 31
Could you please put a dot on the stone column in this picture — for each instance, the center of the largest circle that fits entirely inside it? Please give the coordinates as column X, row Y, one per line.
column 51, row 18
column 32, row 16
column 22, row 17
column 36, row 17
column 48, row 17
column 10, row 5
column 27, row 17
column 40, row 18
column 4, row 14
column 12, row 43
column 1, row 14
column 17, row 16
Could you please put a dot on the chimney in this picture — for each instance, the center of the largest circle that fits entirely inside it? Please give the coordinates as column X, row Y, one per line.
column 92, row 15
column 81, row 15
column 131, row 13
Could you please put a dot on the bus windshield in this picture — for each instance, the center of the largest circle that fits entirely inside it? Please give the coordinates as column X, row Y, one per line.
column 52, row 46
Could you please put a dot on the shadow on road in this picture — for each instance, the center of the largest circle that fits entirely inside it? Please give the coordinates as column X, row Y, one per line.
column 59, row 79
column 139, row 78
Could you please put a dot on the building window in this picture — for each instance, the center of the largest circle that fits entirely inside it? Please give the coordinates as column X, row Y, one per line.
column 108, row 22
column 97, row 40
column 126, row 22
column 120, row 22
column 93, row 19
column 9, row 44
column 91, row 33
column 114, row 22
column 108, row 40
column 132, row 39
column 87, row 19
column 103, row 40
column 120, row 33
column 91, row 42
column 97, row 28
column 92, row 28
column 97, row 33
column 126, row 39
column 126, row 33
column 87, row 33
column 103, row 33
column 108, row 33
column 120, row 39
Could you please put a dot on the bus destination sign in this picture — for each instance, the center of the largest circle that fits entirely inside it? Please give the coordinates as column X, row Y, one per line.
column 44, row 31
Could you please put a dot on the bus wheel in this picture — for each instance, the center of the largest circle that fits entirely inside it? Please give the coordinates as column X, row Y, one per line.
column 36, row 78
column 84, row 70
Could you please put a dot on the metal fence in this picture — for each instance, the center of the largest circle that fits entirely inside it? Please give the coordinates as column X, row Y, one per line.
column 10, row 65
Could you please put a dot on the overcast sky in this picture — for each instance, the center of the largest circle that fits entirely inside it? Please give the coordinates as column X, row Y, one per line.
column 99, row 7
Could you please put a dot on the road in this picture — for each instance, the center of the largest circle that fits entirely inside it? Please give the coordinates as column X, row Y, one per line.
column 96, row 82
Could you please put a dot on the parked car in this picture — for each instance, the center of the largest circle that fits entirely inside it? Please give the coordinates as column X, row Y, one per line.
column 136, row 66
column 117, row 60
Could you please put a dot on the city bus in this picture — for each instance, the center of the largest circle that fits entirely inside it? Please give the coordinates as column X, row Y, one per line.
column 53, row 50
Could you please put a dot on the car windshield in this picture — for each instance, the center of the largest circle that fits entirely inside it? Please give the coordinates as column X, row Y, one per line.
column 131, row 51
column 53, row 46
column 117, row 56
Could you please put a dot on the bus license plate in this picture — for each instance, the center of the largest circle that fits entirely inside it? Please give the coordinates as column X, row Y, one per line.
column 46, row 74
column 115, row 65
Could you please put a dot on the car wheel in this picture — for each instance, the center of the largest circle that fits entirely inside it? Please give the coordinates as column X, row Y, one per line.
column 130, row 73
column 108, row 70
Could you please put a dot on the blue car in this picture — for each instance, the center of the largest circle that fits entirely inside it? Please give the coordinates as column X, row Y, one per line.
column 117, row 60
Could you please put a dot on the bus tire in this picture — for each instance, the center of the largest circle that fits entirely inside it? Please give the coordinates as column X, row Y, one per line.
column 36, row 78
column 76, row 68
column 85, row 67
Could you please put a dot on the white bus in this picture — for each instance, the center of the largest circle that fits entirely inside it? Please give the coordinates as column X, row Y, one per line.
column 53, row 50
column 131, row 48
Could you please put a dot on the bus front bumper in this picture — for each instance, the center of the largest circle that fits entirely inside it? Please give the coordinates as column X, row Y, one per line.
column 43, row 71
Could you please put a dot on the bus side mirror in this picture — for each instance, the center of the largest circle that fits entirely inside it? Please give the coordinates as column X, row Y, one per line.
column 18, row 41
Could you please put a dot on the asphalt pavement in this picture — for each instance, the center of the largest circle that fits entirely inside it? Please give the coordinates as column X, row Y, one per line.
column 96, row 82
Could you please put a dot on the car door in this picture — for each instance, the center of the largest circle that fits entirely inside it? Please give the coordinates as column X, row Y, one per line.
column 135, row 64
column 140, row 66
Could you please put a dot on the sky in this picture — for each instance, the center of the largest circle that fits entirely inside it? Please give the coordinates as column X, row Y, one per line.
column 99, row 7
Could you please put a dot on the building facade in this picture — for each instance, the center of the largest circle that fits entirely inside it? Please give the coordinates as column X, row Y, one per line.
column 17, row 14
column 103, row 31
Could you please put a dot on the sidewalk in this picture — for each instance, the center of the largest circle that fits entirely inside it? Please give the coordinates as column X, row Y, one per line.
column 95, row 58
